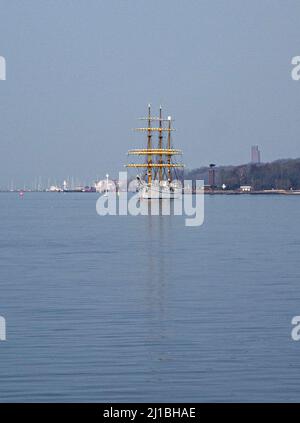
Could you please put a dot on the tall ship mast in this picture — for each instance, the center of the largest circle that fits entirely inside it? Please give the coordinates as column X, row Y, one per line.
column 160, row 178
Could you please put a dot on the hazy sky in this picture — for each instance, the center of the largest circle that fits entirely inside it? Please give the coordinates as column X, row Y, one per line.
column 80, row 72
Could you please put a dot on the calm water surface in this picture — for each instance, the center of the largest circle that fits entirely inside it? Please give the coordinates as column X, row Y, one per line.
column 146, row 309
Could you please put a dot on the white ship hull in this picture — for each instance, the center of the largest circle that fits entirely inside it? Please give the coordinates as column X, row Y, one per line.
column 157, row 192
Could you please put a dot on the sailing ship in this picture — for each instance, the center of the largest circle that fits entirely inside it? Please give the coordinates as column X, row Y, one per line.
column 160, row 177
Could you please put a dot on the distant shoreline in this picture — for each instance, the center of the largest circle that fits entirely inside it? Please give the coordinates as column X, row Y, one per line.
column 208, row 192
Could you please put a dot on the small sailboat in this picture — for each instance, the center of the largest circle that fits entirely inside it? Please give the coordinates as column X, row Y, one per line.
column 160, row 177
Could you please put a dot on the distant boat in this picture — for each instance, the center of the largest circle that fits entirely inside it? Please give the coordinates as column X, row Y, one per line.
column 160, row 170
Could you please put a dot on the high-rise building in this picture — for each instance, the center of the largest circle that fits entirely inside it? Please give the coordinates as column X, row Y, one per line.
column 255, row 154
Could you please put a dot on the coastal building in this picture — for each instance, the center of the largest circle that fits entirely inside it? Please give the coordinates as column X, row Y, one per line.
column 255, row 154
column 245, row 188
column 54, row 188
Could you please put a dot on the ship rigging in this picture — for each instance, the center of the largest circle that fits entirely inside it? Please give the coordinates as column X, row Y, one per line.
column 160, row 178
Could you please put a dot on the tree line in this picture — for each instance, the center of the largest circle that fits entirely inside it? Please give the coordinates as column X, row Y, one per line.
column 280, row 174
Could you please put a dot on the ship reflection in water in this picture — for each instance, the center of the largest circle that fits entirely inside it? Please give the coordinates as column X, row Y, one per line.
column 125, row 308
